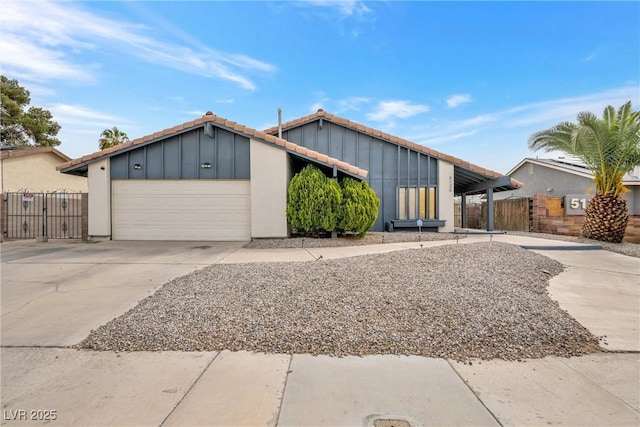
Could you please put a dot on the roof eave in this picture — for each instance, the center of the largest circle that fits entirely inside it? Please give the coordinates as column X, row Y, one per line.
column 80, row 166
column 321, row 114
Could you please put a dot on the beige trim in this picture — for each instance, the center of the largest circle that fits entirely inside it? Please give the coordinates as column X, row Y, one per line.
column 269, row 182
column 445, row 196
column 100, row 199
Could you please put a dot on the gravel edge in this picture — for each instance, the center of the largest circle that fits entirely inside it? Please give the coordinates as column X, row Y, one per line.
column 376, row 238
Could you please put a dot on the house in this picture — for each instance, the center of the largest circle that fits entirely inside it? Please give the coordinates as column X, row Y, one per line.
column 214, row 179
column 412, row 181
column 569, row 179
column 33, row 169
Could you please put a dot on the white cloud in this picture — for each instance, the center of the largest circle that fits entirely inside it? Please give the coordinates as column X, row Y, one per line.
column 395, row 108
column 352, row 103
column 225, row 101
column 506, row 131
column 24, row 59
column 456, row 100
column 49, row 47
column 79, row 115
column 478, row 120
column 446, row 138
column 549, row 113
column 345, row 7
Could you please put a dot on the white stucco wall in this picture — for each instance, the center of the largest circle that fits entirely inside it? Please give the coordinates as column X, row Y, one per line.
column 37, row 173
column 269, row 180
column 100, row 199
column 445, row 196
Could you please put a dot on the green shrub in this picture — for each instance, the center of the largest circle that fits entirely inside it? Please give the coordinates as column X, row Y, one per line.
column 359, row 208
column 319, row 204
column 313, row 201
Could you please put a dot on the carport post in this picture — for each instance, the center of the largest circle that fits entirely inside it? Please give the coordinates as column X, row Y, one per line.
column 463, row 210
column 489, row 209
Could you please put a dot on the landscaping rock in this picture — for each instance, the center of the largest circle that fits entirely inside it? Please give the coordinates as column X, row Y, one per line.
column 481, row 300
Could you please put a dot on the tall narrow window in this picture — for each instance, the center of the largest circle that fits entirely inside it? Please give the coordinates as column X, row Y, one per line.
column 417, row 203
column 412, row 202
column 402, row 204
column 423, row 206
column 432, row 203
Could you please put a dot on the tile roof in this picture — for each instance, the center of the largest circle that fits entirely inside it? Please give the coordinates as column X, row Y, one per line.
column 7, row 152
column 388, row 137
column 224, row 123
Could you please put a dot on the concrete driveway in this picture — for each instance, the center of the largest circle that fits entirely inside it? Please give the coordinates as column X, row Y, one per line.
column 55, row 293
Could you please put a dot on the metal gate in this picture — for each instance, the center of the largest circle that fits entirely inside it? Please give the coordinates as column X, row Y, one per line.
column 54, row 215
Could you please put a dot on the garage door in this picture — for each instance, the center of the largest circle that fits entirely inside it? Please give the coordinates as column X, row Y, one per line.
column 210, row 210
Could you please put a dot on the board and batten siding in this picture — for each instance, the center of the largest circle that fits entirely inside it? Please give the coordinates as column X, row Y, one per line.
column 390, row 165
column 183, row 156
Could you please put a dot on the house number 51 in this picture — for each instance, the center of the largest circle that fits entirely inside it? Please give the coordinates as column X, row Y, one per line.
column 576, row 203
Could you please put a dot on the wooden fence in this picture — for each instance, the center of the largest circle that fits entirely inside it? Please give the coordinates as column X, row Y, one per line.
column 508, row 215
column 473, row 215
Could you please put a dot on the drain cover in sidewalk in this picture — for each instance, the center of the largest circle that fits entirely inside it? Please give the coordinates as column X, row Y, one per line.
column 390, row 423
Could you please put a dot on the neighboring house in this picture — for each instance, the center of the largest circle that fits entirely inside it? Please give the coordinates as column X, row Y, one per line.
column 214, row 179
column 33, row 170
column 566, row 177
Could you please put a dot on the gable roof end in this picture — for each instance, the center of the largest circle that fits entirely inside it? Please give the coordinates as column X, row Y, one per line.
column 82, row 162
column 473, row 171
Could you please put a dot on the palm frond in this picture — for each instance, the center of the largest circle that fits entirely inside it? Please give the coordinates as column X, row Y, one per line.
column 610, row 146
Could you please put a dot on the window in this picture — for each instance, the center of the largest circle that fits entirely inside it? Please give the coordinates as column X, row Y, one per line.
column 417, row 203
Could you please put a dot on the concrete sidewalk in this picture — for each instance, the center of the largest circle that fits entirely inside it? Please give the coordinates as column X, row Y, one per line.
column 251, row 389
column 600, row 289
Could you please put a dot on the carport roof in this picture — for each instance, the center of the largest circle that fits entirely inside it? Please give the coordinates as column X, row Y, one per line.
column 80, row 166
column 468, row 178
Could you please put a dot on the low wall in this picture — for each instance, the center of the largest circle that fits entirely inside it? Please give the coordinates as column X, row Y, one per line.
column 545, row 219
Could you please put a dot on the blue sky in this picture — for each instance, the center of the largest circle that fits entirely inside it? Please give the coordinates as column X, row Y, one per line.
column 470, row 79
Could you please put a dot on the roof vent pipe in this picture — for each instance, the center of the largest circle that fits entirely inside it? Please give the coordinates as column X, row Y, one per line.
column 279, row 122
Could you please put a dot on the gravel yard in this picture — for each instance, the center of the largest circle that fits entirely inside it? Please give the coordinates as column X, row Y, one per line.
column 481, row 300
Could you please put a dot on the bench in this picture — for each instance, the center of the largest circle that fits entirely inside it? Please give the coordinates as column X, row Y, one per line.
column 412, row 223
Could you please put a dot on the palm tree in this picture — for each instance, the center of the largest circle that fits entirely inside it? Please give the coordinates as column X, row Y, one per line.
column 610, row 147
column 112, row 137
